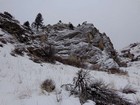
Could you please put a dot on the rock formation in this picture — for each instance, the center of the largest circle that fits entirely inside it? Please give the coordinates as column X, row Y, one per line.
column 83, row 45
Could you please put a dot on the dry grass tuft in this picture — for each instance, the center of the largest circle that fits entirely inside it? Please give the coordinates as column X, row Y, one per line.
column 48, row 85
column 128, row 89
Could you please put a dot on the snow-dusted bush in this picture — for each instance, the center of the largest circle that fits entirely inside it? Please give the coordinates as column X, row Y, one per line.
column 101, row 94
column 128, row 89
column 74, row 61
column 48, row 85
column 117, row 71
column 80, row 84
column 42, row 54
column 71, row 60
column 18, row 51
column 81, row 81
column 2, row 40
column 95, row 90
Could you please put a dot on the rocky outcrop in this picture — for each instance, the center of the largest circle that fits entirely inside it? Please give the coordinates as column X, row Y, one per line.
column 130, row 53
column 82, row 46
column 13, row 27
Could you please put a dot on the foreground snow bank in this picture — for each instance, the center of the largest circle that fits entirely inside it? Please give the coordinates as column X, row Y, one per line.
column 20, row 80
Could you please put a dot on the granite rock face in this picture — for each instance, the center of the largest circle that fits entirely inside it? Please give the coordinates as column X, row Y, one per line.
column 83, row 45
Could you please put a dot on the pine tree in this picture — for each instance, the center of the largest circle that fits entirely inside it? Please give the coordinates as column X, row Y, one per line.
column 38, row 23
column 71, row 26
column 27, row 24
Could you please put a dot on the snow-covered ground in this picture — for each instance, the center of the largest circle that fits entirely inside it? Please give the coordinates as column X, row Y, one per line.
column 20, row 80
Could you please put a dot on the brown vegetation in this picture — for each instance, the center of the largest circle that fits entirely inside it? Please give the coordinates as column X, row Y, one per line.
column 97, row 91
column 48, row 85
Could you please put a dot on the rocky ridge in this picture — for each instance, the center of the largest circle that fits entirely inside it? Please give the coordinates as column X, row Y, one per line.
column 82, row 46
column 130, row 53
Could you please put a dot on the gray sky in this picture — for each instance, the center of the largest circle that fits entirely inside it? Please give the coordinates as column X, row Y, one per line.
column 119, row 19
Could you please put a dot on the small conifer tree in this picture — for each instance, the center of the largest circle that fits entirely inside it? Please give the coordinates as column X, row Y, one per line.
column 38, row 23
column 71, row 26
column 27, row 24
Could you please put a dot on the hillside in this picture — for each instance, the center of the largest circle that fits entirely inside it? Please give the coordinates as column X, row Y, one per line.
column 82, row 46
column 29, row 57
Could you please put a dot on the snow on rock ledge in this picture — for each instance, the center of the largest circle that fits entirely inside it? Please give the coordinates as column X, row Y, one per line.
column 83, row 44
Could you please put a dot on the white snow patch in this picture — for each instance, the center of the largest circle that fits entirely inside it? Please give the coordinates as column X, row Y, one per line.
column 20, row 80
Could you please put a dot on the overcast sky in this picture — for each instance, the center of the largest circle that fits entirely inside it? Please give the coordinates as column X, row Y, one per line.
column 119, row 19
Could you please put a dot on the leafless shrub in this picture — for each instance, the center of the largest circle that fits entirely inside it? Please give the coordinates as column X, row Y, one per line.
column 36, row 59
column 117, row 71
column 95, row 90
column 102, row 94
column 128, row 89
column 3, row 41
column 73, row 60
column 122, row 64
column 99, row 84
column 70, row 61
column 43, row 54
column 59, row 96
column 81, row 81
column 18, row 51
column 48, row 85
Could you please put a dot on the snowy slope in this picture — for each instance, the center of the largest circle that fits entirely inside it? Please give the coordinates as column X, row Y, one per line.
column 20, row 80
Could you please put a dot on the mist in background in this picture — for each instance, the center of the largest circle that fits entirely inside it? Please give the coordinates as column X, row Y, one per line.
column 119, row 19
